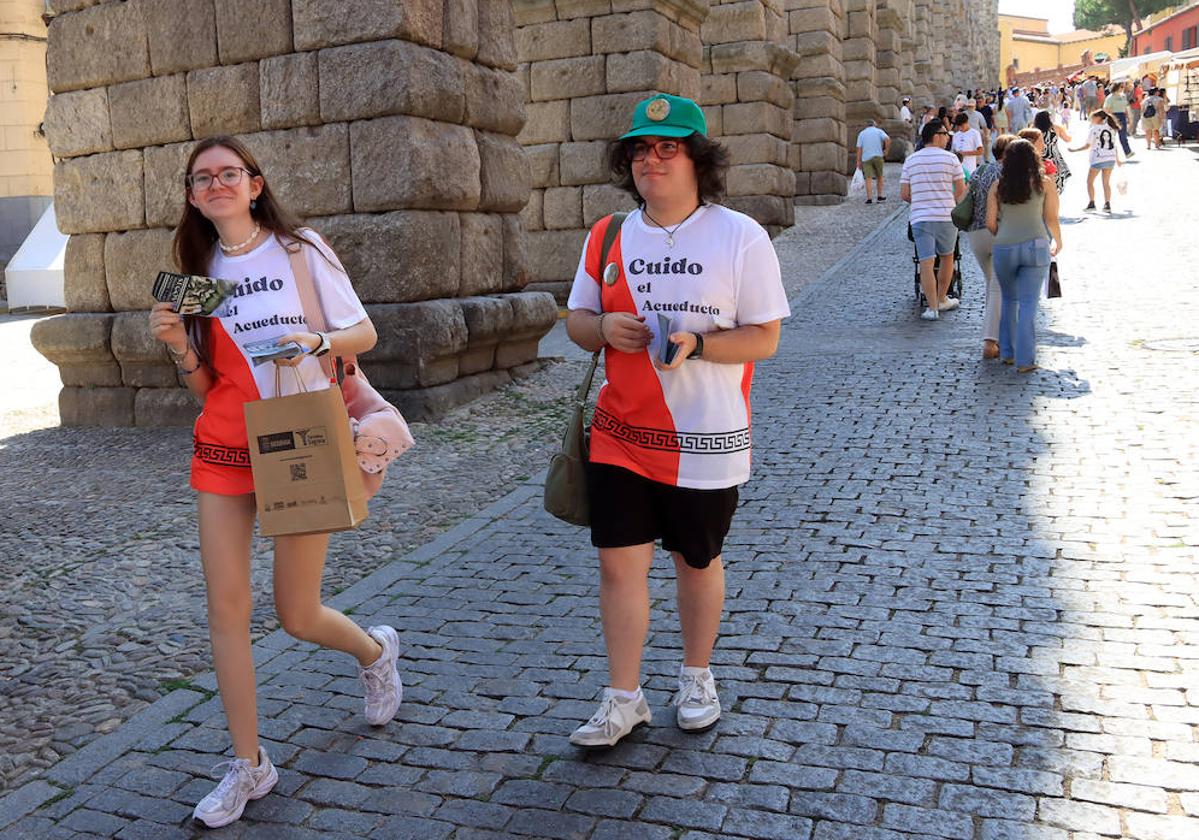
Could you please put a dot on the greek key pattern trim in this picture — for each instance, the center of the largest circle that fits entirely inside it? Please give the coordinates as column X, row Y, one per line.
column 222, row 456
column 668, row 440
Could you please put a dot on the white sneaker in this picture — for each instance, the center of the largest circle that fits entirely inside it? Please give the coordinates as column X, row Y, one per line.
column 381, row 679
column 615, row 718
column 696, row 705
column 929, row 314
column 948, row 305
column 241, row 784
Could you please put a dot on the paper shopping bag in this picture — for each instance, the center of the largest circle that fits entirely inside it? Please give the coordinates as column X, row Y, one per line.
column 306, row 476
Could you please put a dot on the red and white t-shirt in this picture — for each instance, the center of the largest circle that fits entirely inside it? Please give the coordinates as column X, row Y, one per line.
column 266, row 305
column 688, row 427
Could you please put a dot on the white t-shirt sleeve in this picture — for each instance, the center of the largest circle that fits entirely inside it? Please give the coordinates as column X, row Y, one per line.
column 337, row 296
column 761, row 297
column 585, row 292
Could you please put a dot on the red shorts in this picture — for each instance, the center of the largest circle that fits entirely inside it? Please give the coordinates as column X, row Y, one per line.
column 224, row 470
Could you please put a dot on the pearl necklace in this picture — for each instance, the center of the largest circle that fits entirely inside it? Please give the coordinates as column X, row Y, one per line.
column 230, row 248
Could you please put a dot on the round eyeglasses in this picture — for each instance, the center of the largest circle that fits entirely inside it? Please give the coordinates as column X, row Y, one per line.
column 230, row 176
column 664, row 149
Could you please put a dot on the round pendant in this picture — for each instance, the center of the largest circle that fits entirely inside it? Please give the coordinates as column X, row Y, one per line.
column 669, row 241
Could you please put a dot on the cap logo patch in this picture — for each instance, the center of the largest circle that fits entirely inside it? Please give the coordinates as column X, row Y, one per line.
column 658, row 110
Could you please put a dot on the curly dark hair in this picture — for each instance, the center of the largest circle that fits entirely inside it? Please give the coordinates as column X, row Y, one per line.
column 1021, row 174
column 710, row 158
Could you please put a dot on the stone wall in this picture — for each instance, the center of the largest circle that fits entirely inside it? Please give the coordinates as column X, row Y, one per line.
column 391, row 129
column 585, row 64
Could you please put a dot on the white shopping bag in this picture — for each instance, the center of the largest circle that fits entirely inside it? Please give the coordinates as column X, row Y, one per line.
column 1121, row 182
column 858, row 184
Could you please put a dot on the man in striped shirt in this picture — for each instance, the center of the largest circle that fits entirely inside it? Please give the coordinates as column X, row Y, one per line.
column 932, row 181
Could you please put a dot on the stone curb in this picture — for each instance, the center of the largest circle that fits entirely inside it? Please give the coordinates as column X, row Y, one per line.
column 836, row 268
column 78, row 767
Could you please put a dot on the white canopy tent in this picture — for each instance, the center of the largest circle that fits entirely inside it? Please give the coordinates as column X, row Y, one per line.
column 1136, row 66
column 34, row 275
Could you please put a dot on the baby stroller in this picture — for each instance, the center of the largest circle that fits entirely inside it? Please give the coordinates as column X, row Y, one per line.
column 955, row 284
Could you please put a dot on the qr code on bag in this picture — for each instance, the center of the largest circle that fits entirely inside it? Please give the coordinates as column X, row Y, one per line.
column 299, row 472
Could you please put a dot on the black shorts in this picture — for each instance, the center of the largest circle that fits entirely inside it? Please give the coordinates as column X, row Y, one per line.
column 629, row 509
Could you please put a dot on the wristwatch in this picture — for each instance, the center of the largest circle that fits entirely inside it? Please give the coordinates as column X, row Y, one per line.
column 324, row 346
column 698, row 352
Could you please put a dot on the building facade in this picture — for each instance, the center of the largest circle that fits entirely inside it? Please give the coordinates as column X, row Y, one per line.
column 1026, row 46
column 25, row 165
column 1174, row 32
column 452, row 151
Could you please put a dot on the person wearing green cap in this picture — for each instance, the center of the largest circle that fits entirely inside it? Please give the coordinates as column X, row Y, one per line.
column 688, row 297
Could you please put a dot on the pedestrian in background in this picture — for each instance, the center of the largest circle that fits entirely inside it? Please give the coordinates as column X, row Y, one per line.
column 1153, row 114
column 982, row 242
column 233, row 227
column 1134, row 108
column 872, row 147
column 1052, row 134
column 670, row 440
column 1117, row 106
column 1019, row 111
column 1022, row 213
column 1105, row 156
column 978, row 121
column 933, row 183
column 967, row 143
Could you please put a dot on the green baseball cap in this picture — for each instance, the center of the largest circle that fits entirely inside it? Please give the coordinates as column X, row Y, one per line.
column 663, row 115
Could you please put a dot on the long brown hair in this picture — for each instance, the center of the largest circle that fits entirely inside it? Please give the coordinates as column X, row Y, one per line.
column 196, row 236
column 1021, row 174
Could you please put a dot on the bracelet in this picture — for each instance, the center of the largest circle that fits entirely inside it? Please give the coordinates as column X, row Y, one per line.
column 600, row 328
column 178, row 358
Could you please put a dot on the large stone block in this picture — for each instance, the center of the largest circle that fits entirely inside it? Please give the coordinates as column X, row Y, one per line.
column 131, row 262
column 181, row 34
column 158, row 408
column 757, row 148
column 482, row 256
column 829, row 183
column 817, row 43
column 143, row 361
column 495, row 100
column 718, row 89
column 98, row 46
column 85, row 288
column 517, row 269
column 565, row 78
column 818, row 157
column 319, row 23
column 409, row 162
column 252, row 29
column 543, row 165
column 487, row 320
column 559, row 39
column 419, row 343
column 77, row 123
column 308, row 168
column 460, row 28
column 584, row 163
column 390, row 77
column 555, row 253
column 99, row 193
column 570, row 9
column 503, row 173
column 224, row 100
column 760, row 179
column 165, row 169
column 562, row 208
column 530, row 214
column 601, row 199
column 548, row 122
column 771, row 211
column 79, row 345
column 744, row 21
column 814, row 19
column 289, row 90
column 645, row 70
column 603, row 117
column 757, row 117
column 825, row 129
column 404, row 256
column 96, row 406
column 764, row 86
column 533, row 315
column 149, row 112
column 645, row 30
column 497, row 47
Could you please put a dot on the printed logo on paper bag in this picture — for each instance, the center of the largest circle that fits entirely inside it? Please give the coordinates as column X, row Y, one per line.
column 297, row 439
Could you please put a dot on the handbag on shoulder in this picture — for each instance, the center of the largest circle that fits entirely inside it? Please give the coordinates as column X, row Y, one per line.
column 565, row 494
column 380, row 432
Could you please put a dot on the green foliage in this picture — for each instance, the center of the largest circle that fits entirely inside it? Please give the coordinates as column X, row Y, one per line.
column 1096, row 14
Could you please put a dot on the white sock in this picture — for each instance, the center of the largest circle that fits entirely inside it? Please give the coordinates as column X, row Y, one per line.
column 626, row 695
column 688, row 671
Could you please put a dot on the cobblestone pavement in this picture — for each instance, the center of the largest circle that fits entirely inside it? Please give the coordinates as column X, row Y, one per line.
column 961, row 605
column 104, row 601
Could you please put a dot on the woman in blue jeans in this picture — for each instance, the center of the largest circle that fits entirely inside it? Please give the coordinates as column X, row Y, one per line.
column 1022, row 213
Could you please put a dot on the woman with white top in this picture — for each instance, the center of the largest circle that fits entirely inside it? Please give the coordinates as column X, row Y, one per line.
column 1103, row 141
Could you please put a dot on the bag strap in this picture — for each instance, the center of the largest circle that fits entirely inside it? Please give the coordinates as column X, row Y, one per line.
column 610, row 233
column 310, row 302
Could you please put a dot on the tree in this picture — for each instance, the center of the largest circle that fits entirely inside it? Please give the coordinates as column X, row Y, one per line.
column 1096, row 14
